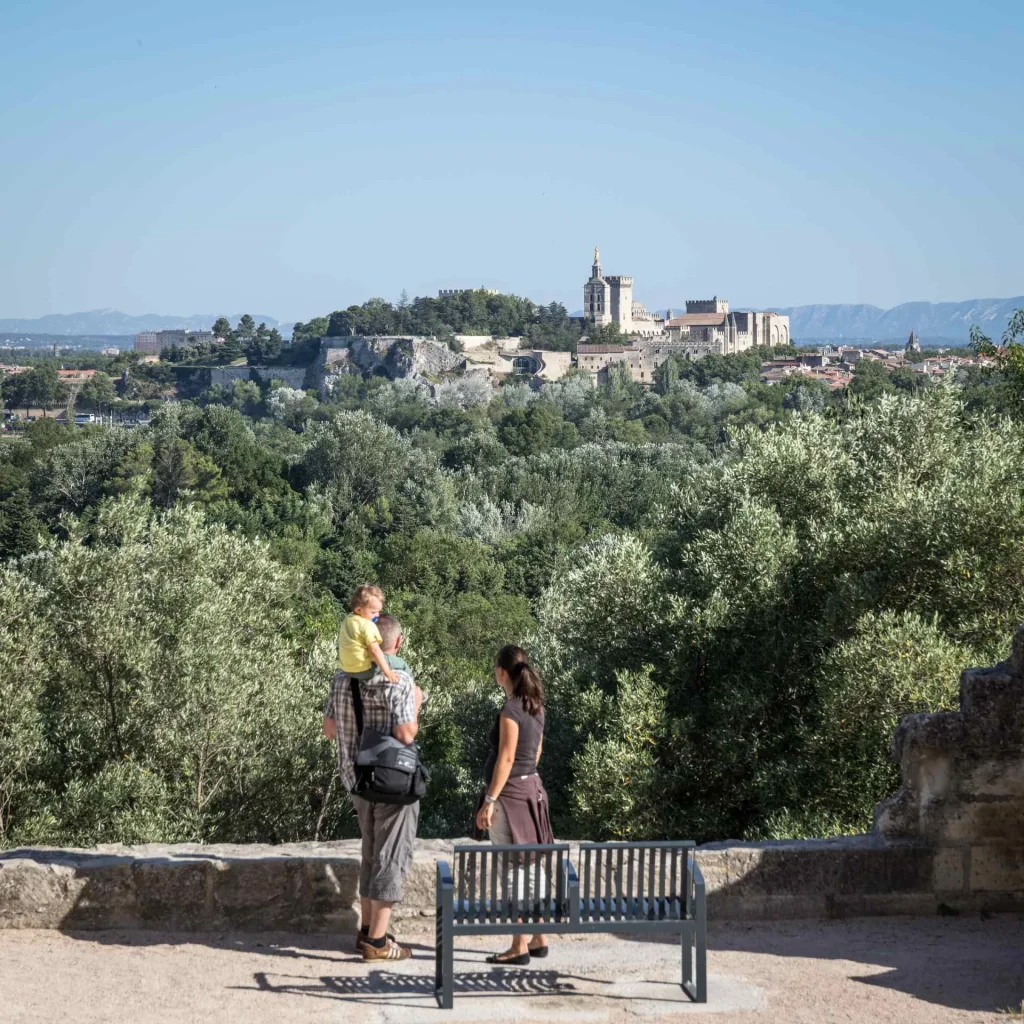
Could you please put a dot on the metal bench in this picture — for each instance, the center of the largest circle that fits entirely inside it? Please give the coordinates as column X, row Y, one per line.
column 625, row 887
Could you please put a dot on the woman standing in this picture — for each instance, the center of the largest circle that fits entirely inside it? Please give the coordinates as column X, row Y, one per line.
column 514, row 807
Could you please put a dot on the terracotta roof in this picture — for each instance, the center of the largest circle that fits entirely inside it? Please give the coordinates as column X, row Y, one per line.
column 698, row 320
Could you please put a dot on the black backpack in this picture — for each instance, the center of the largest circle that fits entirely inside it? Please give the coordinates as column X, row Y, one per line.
column 387, row 771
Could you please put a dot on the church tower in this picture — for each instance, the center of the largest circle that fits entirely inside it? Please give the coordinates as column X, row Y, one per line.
column 597, row 295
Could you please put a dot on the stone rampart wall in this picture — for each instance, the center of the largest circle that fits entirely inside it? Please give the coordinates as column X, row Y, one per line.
column 313, row 886
column 951, row 840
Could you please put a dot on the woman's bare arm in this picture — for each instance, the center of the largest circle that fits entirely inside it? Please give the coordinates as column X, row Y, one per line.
column 508, row 738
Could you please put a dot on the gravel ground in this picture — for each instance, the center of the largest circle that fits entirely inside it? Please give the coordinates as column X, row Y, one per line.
column 902, row 970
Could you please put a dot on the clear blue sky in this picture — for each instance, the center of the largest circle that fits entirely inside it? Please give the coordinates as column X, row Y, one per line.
column 292, row 158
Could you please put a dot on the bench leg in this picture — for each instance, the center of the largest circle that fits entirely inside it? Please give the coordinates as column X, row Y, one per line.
column 695, row 951
column 444, row 967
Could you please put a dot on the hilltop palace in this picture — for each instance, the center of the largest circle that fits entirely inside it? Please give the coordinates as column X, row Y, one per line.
column 706, row 328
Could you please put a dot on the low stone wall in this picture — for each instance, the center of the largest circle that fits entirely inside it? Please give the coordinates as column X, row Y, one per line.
column 952, row 839
column 313, row 886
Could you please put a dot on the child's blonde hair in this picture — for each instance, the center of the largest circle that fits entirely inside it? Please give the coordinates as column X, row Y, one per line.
column 363, row 594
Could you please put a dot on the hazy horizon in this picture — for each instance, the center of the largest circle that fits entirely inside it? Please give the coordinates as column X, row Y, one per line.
column 572, row 308
column 305, row 157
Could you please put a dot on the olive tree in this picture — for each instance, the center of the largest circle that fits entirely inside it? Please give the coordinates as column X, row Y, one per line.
column 181, row 698
column 774, row 593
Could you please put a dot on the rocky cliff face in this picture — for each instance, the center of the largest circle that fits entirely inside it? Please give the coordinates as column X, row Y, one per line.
column 391, row 357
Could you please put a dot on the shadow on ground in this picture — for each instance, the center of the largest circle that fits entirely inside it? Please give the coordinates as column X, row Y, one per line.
column 384, row 987
column 964, row 963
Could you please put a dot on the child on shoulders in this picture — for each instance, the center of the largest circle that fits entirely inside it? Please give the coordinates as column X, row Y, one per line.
column 359, row 651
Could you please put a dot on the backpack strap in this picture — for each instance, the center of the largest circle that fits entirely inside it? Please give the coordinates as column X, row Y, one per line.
column 357, row 703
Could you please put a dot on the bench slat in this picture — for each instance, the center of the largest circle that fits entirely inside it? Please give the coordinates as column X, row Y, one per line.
column 514, row 908
column 673, row 891
column 640, row 883
column 629, row 882
column 588, row 892
column 494, row 881
column 462, row 885
column 652, row 882
column 662, row 912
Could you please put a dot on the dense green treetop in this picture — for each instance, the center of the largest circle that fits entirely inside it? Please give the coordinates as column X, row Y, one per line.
column 734, row 589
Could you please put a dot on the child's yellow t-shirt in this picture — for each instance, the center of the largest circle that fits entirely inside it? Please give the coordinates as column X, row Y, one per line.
column 354, row 642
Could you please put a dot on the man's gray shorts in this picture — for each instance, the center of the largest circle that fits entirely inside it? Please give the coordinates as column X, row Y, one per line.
column 388, row 832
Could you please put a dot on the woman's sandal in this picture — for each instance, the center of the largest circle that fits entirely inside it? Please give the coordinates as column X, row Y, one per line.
column 509, row 961
column 540, row 952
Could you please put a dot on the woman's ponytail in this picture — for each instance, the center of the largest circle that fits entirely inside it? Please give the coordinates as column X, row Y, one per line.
column 526, row 684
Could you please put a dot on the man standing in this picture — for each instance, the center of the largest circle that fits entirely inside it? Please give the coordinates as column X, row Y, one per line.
column 388, row 830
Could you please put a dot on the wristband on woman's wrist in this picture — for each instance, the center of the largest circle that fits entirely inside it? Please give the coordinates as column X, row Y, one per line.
column 488, row 799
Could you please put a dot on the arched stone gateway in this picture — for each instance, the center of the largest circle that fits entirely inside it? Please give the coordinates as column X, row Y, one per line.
column 527, row 364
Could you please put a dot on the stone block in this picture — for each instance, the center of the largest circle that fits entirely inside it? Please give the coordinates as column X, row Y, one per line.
column 997, row 869
column 333, row 884
column 174, row 893
column 992, row 821
column 35, row 894
column 106, row 896
column 996, row 779
column 265, row 893
column 882, row 905
column 949, row 870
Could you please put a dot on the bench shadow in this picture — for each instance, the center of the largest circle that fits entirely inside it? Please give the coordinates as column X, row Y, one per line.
column 959, row 963
column 385, row 987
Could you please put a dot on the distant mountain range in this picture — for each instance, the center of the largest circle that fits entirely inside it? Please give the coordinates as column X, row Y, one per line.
column 946, row 321
column 112, row 321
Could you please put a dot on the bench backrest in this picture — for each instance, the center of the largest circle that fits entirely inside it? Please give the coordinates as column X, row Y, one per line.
column 494, row 883
column 636, row 881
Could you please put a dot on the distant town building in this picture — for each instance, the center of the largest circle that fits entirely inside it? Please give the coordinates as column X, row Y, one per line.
column 501, row 357
column 913, row 345
column 706, row 328
column 148, row 341
column 153, row 342
column 447, row 293
column 110, row 350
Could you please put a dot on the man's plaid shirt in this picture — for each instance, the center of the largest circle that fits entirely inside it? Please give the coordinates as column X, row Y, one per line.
column 385, row 705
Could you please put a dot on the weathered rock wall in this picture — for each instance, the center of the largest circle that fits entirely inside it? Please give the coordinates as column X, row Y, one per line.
column 393, row 357
column 963, row 782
